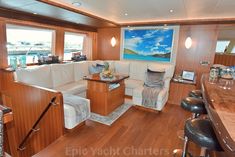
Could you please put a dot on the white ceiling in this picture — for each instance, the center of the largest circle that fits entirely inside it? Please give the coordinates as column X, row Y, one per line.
column 155, row 10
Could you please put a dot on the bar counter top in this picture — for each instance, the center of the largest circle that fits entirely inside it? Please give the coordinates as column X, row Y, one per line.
column 220, row 105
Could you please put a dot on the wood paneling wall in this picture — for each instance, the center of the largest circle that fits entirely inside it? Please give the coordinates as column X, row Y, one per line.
column 204, row 39
column 27, row 103
column 225, row 59
column 105, row 50
column 3, row 52
column 3, row 49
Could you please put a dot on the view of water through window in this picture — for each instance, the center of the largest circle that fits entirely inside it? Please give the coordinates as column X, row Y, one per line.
column 73, row 43
column 29, row 41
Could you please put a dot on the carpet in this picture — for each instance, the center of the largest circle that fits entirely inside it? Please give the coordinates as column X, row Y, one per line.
column 112, row 117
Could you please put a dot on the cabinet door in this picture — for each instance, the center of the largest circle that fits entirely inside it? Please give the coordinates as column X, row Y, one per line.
column 179, row 91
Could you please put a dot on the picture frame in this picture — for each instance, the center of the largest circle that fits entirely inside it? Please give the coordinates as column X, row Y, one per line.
column 149, row 43
column 188, row 75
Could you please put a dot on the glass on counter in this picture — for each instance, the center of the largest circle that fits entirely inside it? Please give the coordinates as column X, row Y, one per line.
column 226, row 78
column 214, row 75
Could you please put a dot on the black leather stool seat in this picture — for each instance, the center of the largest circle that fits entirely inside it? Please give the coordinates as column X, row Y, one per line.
column 195, row 93
column 194, row 105
column 200, row 131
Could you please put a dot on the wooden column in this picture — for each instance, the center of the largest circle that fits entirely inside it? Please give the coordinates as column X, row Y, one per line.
column 3, row 42
column 58, row 40
column 3, row 53
column 90, row 46
column 94, row 46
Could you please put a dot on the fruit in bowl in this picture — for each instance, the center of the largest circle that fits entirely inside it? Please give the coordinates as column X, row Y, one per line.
column 107, row 74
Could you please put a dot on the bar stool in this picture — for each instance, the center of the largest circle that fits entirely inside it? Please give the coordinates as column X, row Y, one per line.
column 195, row 94
column 194, row 105
column 200, row 131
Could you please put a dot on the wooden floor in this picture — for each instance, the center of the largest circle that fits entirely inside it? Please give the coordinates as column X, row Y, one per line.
column 136, row 134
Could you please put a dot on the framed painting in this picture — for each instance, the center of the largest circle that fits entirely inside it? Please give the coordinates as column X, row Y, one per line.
column 148, row 43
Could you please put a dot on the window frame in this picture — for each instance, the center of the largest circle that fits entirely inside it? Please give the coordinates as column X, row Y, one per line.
column 36, row 27
column 68, row 31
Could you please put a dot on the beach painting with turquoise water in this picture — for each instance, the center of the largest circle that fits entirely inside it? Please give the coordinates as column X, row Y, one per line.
column 148, row 44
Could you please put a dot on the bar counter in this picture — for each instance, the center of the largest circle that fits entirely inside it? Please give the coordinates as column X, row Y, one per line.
column 220, row 105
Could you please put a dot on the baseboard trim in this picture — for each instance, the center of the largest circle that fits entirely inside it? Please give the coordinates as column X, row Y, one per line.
column 75, row 128
column 145, row 109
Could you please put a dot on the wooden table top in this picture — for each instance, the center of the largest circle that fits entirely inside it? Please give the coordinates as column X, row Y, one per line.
column 96, row 77
column 220, row 104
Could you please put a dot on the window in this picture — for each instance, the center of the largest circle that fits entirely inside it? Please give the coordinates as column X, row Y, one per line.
column 73, row 42
column 233, row 50
column 29, row 41
column 222, row 45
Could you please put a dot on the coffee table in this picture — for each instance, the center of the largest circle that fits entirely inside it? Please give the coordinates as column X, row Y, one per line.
column 105, row 94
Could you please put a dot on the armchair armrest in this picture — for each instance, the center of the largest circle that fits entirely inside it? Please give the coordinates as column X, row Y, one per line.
column 167, row 83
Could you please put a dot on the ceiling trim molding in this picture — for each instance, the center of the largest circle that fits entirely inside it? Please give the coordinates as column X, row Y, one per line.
column 182, row 22
column 145, row 23
column 77, row 11
column 25, row 16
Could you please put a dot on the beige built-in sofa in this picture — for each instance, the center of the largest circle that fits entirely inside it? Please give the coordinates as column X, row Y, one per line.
column 68, row 78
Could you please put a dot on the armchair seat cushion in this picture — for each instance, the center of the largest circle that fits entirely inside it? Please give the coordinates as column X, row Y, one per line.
column 137, row 92
column 74, row 88
column 76, row 110
column 161, row 101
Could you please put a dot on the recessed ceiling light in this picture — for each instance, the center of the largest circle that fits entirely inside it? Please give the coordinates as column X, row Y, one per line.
column 125, row 14
column 35, row 13
column 171, row 11
column 77, row 4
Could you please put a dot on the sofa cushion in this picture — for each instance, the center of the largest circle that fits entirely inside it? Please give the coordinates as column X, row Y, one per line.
column 73, row 88
column 138, row 70
column 154, row 79
column 160, row 67
column 35, row 75
column 122, row 67
column 131, row 83
column 62, row 74
column 95, row 69
column 80, row 70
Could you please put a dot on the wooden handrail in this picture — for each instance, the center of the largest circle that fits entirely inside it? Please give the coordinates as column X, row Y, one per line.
column 21, row 146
